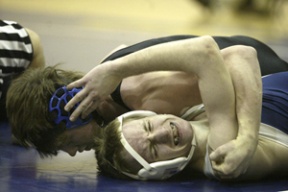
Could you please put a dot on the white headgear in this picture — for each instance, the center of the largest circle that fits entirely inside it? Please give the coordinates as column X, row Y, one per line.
column 156, row 170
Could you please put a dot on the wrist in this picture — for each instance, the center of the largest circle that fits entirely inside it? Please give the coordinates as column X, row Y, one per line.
column 248, row 139
column 248, row 136
column 113, row 69
column 248, row 128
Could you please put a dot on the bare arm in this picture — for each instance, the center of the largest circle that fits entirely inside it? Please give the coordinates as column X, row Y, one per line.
column 200, row 56
column 234, row 157
column 38, row 55
column 246, row 77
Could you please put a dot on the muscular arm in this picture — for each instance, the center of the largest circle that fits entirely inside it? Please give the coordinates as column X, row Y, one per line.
column 38, row 59
column 246, row 77
column 234, row 157
column 200, row 56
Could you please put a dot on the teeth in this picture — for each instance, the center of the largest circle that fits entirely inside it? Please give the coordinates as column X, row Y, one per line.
column 176, row 141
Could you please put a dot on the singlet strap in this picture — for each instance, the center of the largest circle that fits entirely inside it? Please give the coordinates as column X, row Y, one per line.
column 116, row 96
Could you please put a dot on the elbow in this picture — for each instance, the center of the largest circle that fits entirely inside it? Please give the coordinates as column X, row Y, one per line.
column 210, row 51
column 209, row 45
column 246, row 57
column 209, row 57
column 246, row 53
column 203, row 45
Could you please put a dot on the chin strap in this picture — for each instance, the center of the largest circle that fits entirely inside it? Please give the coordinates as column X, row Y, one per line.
column 142, row 161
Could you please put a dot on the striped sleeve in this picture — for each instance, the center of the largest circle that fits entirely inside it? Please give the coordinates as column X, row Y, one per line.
column 16, row 51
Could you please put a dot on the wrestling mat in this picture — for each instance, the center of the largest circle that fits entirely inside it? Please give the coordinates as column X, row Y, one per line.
column 23, row 169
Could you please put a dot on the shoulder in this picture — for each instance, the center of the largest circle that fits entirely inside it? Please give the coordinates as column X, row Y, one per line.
column 29, row 43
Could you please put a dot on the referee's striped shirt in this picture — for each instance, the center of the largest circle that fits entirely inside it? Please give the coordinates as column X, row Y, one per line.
column 16, row 50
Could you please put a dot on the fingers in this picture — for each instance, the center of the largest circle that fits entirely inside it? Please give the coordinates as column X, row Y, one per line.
column 224, row 173
column 229, row 161
column 214, row 156
column 218, row 154
column 222, row 151
column 83, row 106
column 222, row 176
column 77, row 98
column 221, row 167
column 78, row 83
column 87, row 98
column 93, row 106
column 227, row 170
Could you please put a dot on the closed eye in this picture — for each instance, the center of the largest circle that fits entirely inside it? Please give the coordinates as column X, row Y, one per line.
column 154, row 150
column 147, row 126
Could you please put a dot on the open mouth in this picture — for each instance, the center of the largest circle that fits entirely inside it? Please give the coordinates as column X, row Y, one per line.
column 175, row 134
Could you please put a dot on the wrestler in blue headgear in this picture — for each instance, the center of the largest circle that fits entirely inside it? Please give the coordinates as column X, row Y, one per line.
column 56, row 106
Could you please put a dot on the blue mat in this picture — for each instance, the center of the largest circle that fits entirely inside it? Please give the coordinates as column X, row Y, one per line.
column 23, row 170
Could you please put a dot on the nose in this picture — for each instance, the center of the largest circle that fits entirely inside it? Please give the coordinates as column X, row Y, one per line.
column 160, row 135
column 71, row 152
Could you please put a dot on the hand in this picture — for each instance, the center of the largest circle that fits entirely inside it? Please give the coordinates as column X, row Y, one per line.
column 232, row 159
column 98, row 84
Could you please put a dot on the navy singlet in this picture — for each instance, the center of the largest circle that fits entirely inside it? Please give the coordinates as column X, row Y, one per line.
column 275, row 101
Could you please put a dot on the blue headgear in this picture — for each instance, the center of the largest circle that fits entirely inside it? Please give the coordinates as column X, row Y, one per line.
column 56, row 106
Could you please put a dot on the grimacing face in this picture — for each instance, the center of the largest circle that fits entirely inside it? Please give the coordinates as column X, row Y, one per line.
column 157, row 138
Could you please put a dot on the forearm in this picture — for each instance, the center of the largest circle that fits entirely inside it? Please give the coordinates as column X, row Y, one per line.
column 233, row 158
column 244, row 69
column 189, row 55
column 200, row 56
